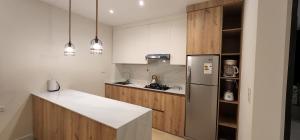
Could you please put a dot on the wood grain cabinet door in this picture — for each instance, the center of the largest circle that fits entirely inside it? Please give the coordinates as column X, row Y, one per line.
column 168, row 110
column 174, row 116
column 158, row 121
column 204, row 31
column 156, row 101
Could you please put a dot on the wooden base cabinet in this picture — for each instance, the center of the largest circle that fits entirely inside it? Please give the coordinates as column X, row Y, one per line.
column 168, row 109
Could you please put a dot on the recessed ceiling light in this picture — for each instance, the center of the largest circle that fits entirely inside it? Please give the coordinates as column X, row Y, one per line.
column 111, row 11
column 141, row 3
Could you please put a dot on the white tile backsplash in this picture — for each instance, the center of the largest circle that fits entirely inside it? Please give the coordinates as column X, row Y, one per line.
column 171, row 75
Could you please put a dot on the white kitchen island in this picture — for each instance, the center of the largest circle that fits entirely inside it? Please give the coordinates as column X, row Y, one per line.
column 75, row 115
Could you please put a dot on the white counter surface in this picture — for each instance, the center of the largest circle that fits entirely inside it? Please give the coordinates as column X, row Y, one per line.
column 106, row 111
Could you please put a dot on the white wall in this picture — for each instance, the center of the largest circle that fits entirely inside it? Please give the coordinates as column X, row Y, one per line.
column 32, row 37
column 264, row 69
column 247, row 69
column 271, row 63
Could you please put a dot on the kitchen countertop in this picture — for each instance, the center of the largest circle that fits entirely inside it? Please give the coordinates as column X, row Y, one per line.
column 142, row 86
column 103, row 110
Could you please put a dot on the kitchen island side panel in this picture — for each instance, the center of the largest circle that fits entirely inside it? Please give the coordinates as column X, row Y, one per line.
column 140, row 129
column 52, row 122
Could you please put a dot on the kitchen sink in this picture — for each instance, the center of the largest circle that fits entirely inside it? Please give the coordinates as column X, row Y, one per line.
column 123, row 83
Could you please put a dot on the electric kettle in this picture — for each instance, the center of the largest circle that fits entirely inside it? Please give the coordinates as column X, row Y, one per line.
column 154, row 79
column 53, row 85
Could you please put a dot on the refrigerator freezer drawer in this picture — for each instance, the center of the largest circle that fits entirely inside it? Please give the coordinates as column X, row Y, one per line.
column 201, row 112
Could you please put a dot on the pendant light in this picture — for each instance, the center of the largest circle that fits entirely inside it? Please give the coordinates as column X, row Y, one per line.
column 96, row 44
column 69, row 47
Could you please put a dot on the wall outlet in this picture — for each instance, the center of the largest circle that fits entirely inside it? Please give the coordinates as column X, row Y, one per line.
column 2, row 108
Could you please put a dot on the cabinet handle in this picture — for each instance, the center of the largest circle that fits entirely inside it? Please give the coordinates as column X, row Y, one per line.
column 158, row 110
column 207, row 11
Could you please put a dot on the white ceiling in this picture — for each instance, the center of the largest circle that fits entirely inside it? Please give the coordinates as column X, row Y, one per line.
column 126, row 11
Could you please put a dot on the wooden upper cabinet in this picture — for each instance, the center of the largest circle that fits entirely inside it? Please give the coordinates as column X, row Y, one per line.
column 204, row 31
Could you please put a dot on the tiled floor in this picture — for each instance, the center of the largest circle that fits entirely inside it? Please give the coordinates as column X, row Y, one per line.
column 159, row 135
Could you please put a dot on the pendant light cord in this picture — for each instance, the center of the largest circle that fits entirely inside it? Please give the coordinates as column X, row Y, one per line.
column 70, row 6
column 96, row 18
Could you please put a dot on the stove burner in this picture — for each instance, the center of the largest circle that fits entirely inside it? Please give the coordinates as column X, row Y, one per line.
column 157, row 87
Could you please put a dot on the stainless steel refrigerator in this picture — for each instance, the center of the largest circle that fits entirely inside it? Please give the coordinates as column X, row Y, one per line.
column 202, row 97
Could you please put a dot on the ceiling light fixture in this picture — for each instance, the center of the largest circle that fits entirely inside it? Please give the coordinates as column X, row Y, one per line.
column 111, row 11
column 96, row 44
column 141, row 3
column 69, row 49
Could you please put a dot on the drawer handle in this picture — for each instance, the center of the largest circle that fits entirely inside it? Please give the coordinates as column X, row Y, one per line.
column 158, row 110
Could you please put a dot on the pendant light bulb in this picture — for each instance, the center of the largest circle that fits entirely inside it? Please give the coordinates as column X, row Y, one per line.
column 96, row 46
column 69, row 49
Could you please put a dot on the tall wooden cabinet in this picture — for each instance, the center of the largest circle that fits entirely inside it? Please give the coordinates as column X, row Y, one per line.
column 204, row 31
column 215, row 27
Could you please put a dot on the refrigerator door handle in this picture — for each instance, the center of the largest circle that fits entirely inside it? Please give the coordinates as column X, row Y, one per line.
column 188, row 90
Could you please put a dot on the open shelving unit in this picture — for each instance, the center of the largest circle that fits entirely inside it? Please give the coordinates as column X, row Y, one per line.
column 227, row 122
column 231, row 49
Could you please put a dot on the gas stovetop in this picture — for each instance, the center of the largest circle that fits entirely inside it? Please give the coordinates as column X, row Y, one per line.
column 157, row 87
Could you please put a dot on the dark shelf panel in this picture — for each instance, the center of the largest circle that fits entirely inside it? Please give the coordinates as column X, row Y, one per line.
column 232, row 30
column 229, row 102
column 227, row 133
column 230, row 78
column 231, row 41
column 227, row 122
column 232, row 16
column 230, row 54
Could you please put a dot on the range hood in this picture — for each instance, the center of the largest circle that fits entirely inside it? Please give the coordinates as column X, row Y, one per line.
column 158, row 57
